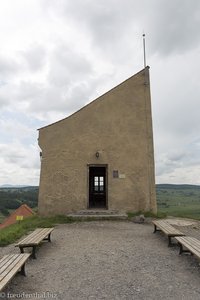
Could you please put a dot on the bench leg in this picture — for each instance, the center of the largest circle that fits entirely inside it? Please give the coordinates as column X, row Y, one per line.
column 33, row 252
column 21, row 249
column 169, row 241
column 48, row 238
column 182, row 250
column 170, row 244
column 155, row 228
column 22, row 272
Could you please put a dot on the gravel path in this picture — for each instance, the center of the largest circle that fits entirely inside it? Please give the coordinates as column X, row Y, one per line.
column 108, row 260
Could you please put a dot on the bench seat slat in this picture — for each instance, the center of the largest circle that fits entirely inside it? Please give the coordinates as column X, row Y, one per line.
column 35, row 237
column 32, row 235
column 9, row 267
column 6, row 259
column 191, row 240
column 192, row 244
column 7, row 264
column 167, row 228
column 195, row 243
column 13, row 268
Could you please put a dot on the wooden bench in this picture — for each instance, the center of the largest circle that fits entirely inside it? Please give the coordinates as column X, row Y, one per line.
column 169, row 230
column 34, row 239
column 191, row 245
column 10, row 265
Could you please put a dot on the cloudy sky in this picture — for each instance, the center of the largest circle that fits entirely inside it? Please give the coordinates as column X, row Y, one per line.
column 58, row 55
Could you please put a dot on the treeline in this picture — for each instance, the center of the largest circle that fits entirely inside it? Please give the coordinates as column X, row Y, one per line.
column 181, row 187
column 12, row 198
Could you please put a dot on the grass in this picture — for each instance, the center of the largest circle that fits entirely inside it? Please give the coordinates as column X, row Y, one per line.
column 13, row 232
column 187, row 212
column 179, row 200
column 147, row 214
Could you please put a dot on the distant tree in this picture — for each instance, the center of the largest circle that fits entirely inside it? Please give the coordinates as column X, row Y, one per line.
column 4, row 212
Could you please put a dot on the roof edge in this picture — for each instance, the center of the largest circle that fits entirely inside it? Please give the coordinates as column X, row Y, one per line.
column 147, row 67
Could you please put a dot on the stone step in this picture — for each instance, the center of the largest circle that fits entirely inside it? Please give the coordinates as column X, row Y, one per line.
column 99, row 215
column 96, row 212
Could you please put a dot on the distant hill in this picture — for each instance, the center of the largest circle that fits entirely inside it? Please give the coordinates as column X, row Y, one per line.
column 172, row 199
column 13, row 186
column 177, row 186
column 11, row 197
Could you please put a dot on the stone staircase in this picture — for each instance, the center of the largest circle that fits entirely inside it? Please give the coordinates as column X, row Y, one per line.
column 99, row 214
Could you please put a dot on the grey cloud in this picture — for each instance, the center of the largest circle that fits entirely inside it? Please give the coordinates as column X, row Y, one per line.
column 165, row 165
column 111, row 30
column 109, row 25
column 5, row 94
column 8, row 68
column 35, row 57
column 66, row 100
column 3, row 101
column 20, row 155
column 79, row 95
column 176, row 156
column 67, row 66
column 35, row 97
column 175, row 101
column 29, row 91
column 172, row 160
column 174, row 26
column 11, row 156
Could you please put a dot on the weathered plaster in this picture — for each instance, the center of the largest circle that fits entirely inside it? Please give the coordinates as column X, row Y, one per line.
column 119, row 126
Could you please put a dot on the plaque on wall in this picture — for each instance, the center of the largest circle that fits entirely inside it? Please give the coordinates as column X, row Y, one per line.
column 122, row 176
column 115, row 174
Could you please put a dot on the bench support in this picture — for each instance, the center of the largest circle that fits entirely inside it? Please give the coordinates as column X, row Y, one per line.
column 33, row 255
column 169, row 241
column 34, row 239
column 22, row 271
column 21, row 249
column 156, row 228
column 170, row 244
column 48, row 238
column 33, row 252
column 181, row 250
column 169, row 237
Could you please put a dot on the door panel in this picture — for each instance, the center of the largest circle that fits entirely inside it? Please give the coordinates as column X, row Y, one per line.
column 97, row 187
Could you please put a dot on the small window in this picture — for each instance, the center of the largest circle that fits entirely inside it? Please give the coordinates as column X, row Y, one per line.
column 98, row 183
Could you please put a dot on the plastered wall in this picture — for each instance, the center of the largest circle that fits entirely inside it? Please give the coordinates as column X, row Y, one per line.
column 118, row 125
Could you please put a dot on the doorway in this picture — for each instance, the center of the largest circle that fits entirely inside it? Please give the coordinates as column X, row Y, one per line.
column 97, row 187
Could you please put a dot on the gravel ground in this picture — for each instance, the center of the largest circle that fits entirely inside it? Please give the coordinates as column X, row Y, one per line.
column 108, row 260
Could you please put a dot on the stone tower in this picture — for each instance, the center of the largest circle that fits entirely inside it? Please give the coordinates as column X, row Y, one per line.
column 101, row 156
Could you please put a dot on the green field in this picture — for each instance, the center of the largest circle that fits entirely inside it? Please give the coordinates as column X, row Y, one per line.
column 179, row 200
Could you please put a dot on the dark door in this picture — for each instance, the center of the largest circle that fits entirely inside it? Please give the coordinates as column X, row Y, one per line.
column 97, row 187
